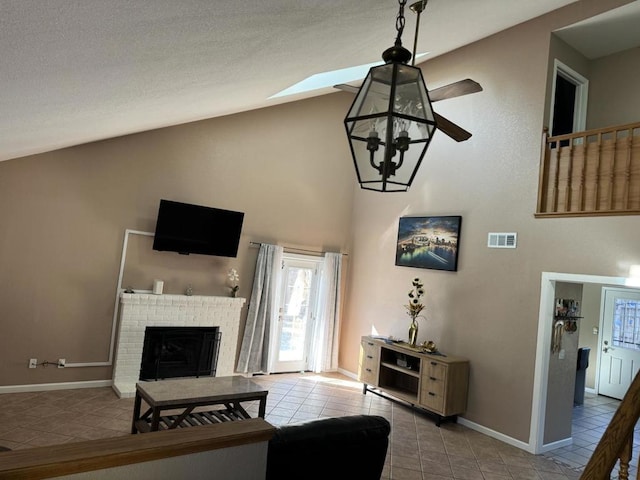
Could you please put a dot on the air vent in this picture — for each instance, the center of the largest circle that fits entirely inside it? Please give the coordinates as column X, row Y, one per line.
column 502, row 240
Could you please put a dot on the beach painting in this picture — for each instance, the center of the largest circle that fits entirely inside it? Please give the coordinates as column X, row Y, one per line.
column 429, row 242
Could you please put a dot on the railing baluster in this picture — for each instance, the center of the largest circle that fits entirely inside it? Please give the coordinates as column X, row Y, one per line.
column 598, row 169
column 567, row 193
column 612, row 171
column 556, row 177
column 625, row 459
column 627, row 170
column 581, row 194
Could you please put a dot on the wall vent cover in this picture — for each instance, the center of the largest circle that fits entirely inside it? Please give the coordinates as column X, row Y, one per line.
column 502, row 240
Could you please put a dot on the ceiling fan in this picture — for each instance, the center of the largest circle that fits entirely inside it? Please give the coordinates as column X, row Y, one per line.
column 456, row 89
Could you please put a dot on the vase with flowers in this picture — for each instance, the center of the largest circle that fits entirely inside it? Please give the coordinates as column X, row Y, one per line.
column 233, row 279
column 414, row 307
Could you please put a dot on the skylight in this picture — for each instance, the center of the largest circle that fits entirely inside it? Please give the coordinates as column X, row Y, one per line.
column 329, row 79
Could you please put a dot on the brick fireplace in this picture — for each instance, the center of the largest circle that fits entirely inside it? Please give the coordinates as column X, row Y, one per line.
column 140, row 310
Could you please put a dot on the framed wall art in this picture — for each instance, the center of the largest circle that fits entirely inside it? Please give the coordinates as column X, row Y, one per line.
column 429, row 242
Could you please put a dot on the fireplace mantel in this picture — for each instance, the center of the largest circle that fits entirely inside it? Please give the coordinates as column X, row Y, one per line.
column 140, row 310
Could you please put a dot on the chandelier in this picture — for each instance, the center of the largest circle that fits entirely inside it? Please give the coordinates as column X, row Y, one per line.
column 391, row 121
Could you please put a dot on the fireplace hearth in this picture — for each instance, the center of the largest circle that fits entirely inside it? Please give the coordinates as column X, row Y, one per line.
column 171, row 352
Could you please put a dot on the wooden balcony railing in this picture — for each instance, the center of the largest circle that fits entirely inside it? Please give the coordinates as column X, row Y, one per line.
column 617, row 441
column 596, row 172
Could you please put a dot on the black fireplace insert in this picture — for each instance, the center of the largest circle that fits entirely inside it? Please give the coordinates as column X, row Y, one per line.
column 170, row 352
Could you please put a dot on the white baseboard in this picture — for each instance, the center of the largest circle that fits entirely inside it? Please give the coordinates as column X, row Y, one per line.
column 41, row 387
column 347, row 373
column 497, row 435
column 560, row 443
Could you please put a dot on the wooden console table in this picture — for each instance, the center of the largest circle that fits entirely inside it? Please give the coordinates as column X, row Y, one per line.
column 185, row 394
column 435, row 382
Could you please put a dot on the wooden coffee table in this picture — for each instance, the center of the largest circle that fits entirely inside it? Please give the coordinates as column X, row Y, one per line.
column 185, row 394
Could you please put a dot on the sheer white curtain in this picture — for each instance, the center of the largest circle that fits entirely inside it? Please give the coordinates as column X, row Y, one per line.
column 324, row 350
column 254, row 350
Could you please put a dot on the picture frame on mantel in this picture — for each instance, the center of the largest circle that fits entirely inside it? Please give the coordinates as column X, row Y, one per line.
column 429, row 242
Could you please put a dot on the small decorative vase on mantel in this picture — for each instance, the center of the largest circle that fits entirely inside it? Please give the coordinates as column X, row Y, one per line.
column 233, row 278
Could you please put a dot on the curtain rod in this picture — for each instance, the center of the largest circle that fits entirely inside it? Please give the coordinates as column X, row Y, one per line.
column 293, row 249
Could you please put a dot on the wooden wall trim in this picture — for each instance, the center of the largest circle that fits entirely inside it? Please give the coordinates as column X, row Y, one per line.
column 64, row 459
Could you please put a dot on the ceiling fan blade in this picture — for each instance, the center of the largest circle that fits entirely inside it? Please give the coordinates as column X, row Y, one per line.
column 459, row 134
column 346, row 87
column 456, row 89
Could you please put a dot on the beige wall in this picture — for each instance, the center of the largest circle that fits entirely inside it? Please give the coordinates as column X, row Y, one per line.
column 488, row 310
column 612, row 95
column 64, row 215
column 562, row 374
column 613, row 86
column 591, row 300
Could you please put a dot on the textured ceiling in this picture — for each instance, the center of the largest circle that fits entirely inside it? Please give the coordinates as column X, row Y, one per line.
column 611, row 32
column 75, row 71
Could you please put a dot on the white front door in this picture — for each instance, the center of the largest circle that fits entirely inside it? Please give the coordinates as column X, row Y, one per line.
column 620, row 347
column 297, row 309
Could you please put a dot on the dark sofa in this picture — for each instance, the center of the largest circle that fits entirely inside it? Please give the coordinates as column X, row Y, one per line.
column 351, row 447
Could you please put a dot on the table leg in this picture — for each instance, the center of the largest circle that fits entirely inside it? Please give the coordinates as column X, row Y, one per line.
column 155, row 419
column 136, row 413
column 262, row 407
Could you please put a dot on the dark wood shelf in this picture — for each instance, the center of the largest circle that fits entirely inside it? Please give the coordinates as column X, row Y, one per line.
column 193, row 419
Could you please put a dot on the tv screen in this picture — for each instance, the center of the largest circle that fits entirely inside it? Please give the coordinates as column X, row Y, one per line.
column 187, row 228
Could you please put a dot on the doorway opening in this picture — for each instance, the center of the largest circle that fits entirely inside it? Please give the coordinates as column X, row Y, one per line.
column 543, row 351
column 569, row 94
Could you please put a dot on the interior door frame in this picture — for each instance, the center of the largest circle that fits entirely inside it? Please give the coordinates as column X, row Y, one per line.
column 543, row 350
column 582, row 95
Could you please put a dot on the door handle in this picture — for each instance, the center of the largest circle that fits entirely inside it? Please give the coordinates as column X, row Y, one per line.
column 606, row 346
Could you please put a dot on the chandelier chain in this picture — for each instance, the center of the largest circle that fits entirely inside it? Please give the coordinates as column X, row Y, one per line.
column 400, row 21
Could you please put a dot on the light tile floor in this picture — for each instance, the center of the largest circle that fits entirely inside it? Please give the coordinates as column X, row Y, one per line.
column 418, row 449
column 588, row 424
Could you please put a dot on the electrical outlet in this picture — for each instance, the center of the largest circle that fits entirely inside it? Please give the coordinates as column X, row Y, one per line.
column 33, row 362
column 61, row 363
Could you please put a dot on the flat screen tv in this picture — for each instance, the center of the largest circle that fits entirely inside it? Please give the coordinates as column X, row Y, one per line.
column 187, row 228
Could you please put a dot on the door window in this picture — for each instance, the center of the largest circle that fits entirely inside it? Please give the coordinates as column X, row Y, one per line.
column 298, row 293
column 626, row 324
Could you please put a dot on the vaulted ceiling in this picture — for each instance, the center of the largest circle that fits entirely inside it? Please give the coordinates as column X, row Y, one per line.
column 79, row 71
